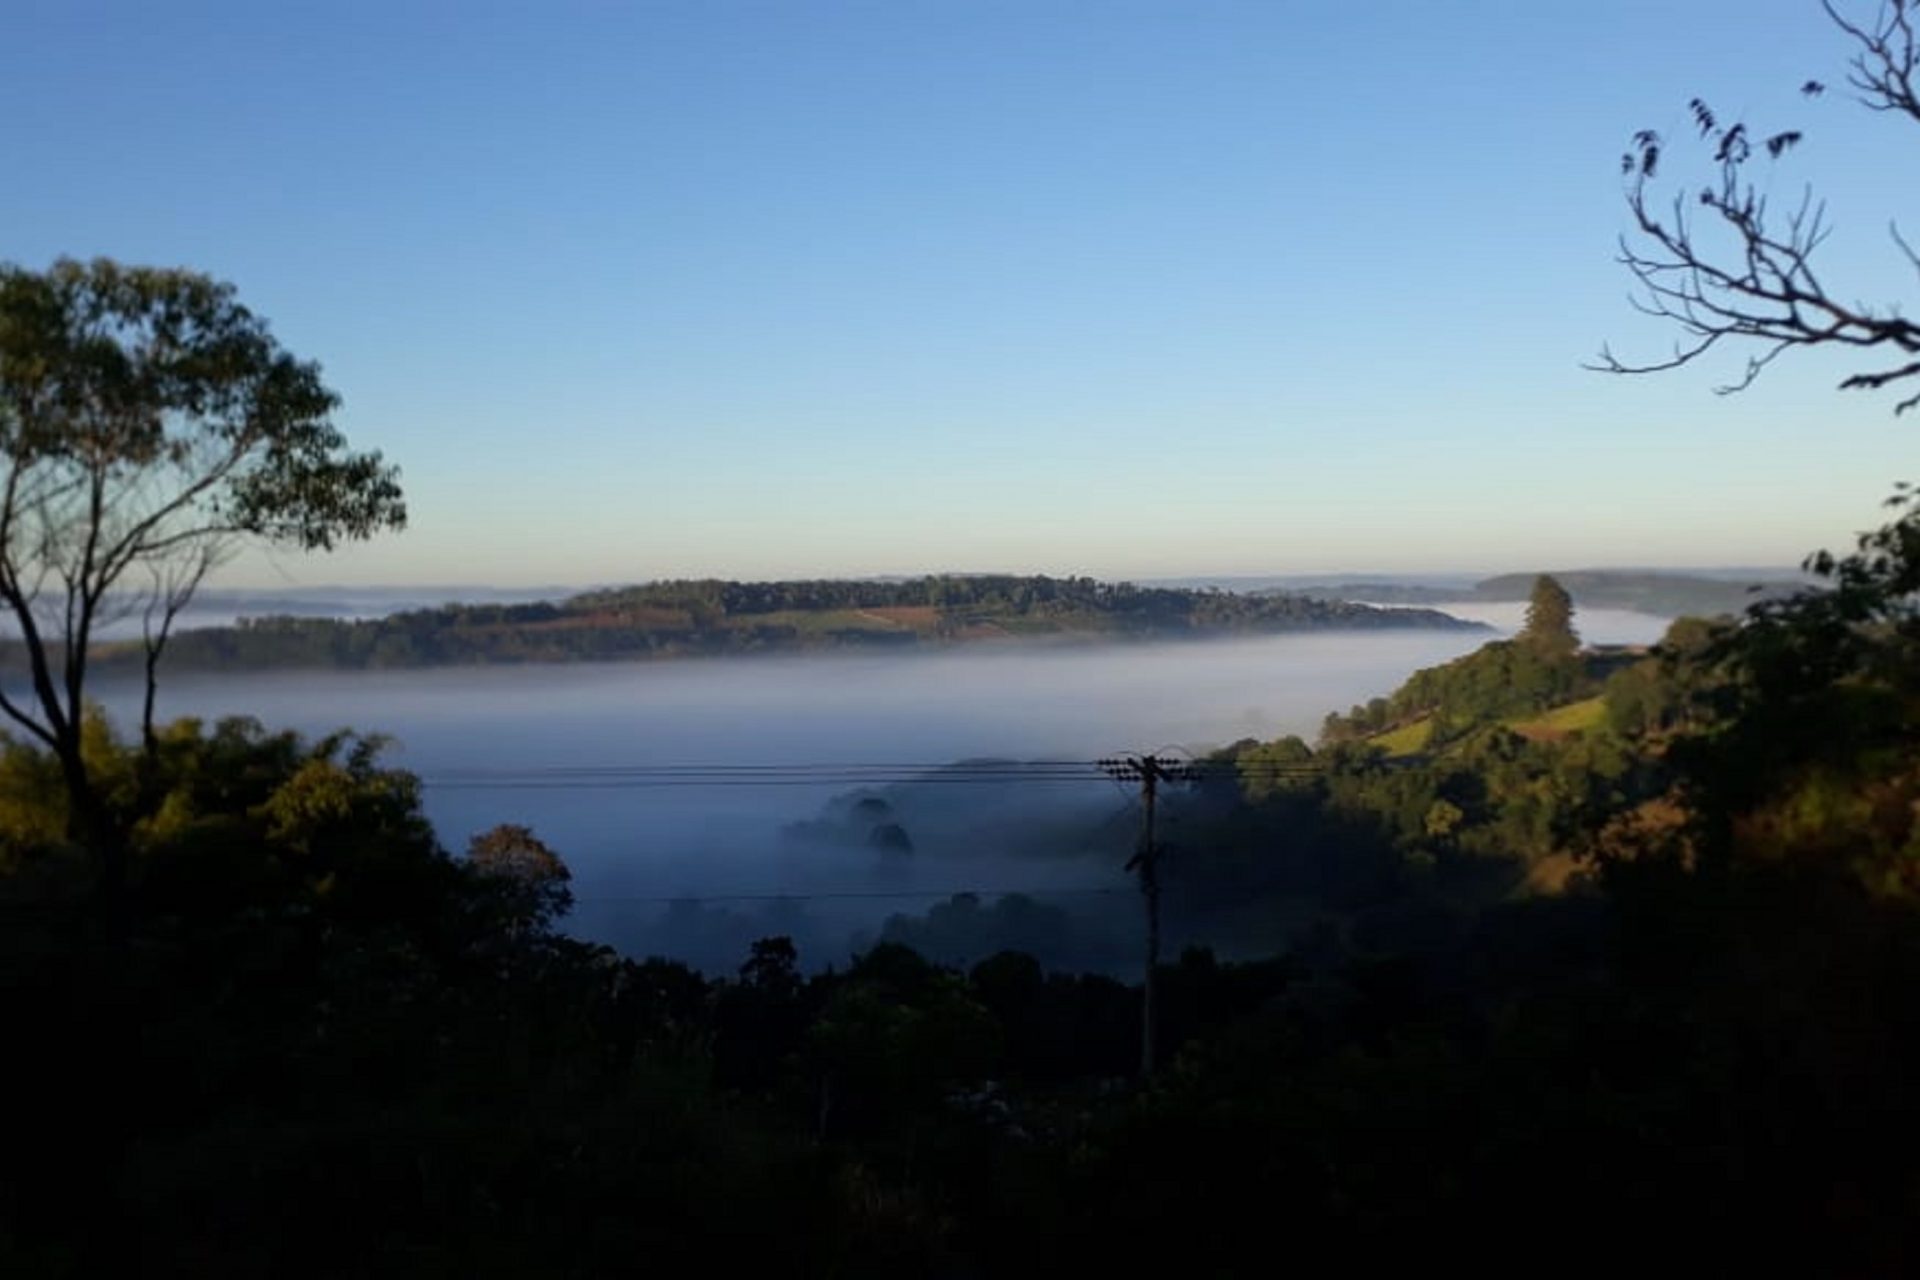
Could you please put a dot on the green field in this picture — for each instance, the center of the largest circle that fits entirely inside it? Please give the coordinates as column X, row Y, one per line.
column 1408, row 739
column 1413, row 738
column 1575, row 717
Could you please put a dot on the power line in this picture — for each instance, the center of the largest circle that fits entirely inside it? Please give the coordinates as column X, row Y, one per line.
column 948, row 766
column 646, row 784
column 833, row 895
column 621, row 777
column 910, row 895
column 746, row 773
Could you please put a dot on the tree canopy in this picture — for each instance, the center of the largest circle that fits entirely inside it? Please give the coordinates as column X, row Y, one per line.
column 531, row 878
column 150, row 424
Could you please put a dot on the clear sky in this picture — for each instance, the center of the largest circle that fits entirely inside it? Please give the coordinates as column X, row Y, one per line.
column 1129, row 289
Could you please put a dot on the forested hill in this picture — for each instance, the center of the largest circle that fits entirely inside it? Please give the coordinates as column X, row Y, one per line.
column 678, row 619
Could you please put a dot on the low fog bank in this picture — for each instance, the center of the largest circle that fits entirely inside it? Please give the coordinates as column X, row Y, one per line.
column 698, row 871
column 1596, row 626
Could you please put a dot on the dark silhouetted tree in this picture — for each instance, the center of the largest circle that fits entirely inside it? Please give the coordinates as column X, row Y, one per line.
column 532, row 878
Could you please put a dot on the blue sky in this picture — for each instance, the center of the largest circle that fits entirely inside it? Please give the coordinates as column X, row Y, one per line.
column 1129, row 289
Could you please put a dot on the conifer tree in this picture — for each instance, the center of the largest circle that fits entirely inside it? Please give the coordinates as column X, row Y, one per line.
column 1550, row 617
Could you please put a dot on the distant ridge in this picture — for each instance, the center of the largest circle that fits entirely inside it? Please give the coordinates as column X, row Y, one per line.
column 716, row 618
column 1657, row 592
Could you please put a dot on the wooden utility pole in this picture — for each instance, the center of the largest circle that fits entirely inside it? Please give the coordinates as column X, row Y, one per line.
column 1149, row 772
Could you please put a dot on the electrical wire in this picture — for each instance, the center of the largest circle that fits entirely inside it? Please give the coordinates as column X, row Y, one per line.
column 655, row 776
column 902, row 895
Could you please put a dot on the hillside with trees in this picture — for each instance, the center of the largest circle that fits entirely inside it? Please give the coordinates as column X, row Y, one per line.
column 1653, row 966
column 1541, row 668
column 718, row 618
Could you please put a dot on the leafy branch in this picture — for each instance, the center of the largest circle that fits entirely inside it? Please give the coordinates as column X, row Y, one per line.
column 1721, row 264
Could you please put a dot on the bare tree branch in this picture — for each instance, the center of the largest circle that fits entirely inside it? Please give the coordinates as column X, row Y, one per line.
column 1747, row 275
column 26, row 721
column 174, row 585
column 1882, row 72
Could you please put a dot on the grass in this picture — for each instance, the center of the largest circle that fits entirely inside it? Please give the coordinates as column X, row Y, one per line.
column 1575, row 717
column 1408, row 739
column 1562, row 722
column 814, row 620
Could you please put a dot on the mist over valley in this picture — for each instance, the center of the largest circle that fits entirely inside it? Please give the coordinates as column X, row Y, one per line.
column 700, row 869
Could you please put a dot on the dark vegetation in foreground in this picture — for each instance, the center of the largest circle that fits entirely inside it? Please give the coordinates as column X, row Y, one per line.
column 682, row 619
column 311, row 1042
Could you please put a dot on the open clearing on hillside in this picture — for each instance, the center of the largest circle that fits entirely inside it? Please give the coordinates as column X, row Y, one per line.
column 1575, row 717
column 1562, row 722
column 1408, row 739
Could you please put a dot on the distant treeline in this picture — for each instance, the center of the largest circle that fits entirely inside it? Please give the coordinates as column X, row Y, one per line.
column 1669, row 595
column 712, row 617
